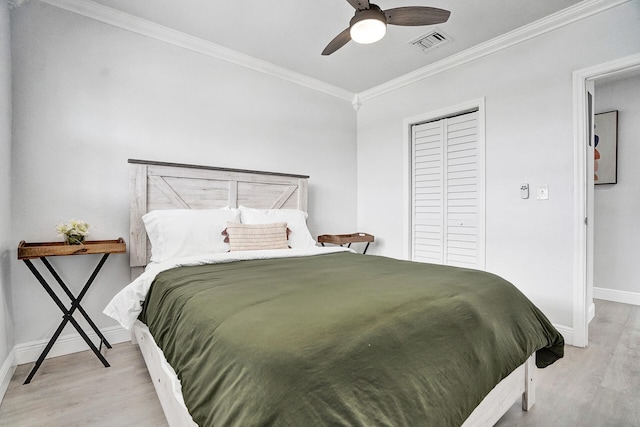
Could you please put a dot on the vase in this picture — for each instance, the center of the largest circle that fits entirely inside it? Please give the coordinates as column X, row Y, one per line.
column 73, row 239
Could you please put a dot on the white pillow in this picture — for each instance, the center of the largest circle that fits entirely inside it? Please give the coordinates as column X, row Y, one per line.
column 184, row 232
column 296, row 220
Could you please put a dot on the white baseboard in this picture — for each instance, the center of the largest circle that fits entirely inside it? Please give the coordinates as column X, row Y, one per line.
column 6, row 372
column 591, row 312
column 567, row 333
column 67, row 344
column 617, row 296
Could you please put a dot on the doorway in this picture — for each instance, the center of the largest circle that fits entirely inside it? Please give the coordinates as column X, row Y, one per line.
column 583, row 84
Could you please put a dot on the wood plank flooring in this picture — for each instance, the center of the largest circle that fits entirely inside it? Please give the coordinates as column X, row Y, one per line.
column 597, row 386
column 76, row 390
column 594, row 387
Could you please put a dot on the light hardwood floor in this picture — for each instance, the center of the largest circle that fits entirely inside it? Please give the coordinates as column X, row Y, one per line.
column 597, row 386
column 76, row 390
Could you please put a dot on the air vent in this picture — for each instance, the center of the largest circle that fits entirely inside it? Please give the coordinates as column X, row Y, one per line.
column 430, row 40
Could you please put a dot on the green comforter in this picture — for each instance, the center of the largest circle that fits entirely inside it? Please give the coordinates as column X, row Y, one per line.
column 341, row 339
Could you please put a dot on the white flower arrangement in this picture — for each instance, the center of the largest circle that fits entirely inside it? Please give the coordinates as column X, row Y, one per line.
column 74, row 232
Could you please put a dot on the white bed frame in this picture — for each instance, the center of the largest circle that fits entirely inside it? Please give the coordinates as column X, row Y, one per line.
column 156, row 185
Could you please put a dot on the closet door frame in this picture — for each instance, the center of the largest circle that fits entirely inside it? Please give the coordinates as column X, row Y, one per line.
column 408, row 123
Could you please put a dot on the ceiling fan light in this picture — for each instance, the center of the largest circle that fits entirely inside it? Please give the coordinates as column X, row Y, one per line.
column 368, row 31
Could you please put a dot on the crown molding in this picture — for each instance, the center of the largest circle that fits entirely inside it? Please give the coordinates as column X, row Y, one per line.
column 552, row 22
column 110, row 16
column 155, row 31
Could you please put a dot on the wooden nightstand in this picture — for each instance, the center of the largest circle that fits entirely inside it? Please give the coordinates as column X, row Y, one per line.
column 29, row 251
column 347, row 239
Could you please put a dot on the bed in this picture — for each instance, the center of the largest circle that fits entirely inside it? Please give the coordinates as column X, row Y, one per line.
column 310, row 335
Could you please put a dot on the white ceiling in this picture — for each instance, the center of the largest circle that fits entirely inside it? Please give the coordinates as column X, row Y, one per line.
column 292, row 33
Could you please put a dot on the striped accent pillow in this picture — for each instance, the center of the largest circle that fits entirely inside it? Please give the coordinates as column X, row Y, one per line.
column 249, row 237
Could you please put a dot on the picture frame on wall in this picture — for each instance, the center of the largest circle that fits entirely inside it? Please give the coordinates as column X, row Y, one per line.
column 606, row 148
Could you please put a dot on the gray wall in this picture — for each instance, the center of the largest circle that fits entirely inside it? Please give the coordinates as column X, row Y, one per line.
column 88, row 96
column 529, row 139
column 617, row 206
column 6, row 242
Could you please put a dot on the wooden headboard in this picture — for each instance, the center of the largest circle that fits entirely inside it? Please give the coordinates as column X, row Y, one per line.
column 158, row 185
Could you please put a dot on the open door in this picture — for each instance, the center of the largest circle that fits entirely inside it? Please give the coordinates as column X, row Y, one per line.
column 584, row 113
column 590, row 193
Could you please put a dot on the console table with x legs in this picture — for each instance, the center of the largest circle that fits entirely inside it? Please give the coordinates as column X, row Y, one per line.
column 29, row 251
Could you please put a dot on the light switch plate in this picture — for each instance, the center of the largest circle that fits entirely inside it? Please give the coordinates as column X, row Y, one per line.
column 543, row 192
column 524, row 191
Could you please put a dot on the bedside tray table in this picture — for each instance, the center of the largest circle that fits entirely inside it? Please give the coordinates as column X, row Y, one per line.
column 29, row 251
column 347, row 239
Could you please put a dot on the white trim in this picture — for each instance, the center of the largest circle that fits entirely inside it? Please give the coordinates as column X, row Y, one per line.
column 580, row 211
column 580, row 78
column 591, row 312
column 567, row 333
column 407, row 186
column 482, row 186
column 6, row 372
column 552, row 22
column 615, row 295
column 478, row 104
column 67, row 344
column 155, row 31
column 356, row 102
column 141, row 26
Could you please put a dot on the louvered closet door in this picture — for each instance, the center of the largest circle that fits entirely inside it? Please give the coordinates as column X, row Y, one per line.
column 428, row 195
column 446, row 194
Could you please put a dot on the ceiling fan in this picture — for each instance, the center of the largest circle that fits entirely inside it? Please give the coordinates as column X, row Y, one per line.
column 369, row 24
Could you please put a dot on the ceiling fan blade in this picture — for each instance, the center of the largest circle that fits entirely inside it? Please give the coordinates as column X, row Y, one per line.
column 416, row 15
column 338, row 41
column 359, row 4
